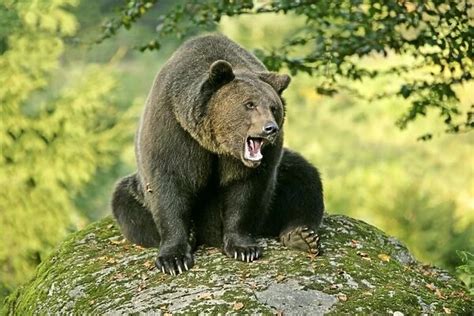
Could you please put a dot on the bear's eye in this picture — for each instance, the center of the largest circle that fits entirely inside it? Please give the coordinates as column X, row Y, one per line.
column 273, row 109
column 250, row 105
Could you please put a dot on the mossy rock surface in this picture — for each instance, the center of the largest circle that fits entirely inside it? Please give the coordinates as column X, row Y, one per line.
column 360, row 271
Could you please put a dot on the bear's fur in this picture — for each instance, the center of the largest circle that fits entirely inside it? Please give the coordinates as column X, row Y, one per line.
column 214, row 110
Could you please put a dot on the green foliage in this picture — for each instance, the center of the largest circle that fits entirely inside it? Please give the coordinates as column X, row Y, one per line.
column 8, row 22
column 466, row 269
column 52, row 140
column 437, row 33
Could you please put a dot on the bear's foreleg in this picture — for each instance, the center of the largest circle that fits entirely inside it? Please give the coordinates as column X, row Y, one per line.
column 170, row 206
column 297, row 208
column 242, row 210
column 135, row 221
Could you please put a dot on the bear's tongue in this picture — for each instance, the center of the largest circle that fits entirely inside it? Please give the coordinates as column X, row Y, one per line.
column 252, row 149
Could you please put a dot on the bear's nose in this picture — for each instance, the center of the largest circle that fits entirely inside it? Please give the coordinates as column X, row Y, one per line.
column 270, row 128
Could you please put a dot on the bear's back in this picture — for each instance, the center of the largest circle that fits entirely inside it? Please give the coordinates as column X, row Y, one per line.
column 201, row 52
column 188, row 67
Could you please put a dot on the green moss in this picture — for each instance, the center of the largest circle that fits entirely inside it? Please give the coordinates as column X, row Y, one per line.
column 97, row 271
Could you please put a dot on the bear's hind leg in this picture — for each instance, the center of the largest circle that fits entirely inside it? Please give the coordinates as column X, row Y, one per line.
column 136, row 222
column 297, row 207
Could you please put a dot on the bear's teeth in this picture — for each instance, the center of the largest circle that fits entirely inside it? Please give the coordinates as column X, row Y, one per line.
column 251, row 145
column 252, row 149
column 257, row 143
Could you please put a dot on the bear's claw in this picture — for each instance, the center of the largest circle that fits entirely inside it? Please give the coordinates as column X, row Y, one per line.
column 301, row 238
column 242, row 248
column 174, row 265
column 245, row 254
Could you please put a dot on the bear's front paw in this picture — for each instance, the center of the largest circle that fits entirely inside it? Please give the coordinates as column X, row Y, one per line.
column 302, row 238
column 245, row 249
column 175, row 261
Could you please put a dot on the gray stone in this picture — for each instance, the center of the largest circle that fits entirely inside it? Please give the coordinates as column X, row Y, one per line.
column 291, row 298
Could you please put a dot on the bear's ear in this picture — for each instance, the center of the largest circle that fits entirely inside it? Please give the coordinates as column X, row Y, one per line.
column 277, row 81
column 221, row 72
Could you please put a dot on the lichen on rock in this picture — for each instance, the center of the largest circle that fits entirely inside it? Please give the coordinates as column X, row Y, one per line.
column 360, row 271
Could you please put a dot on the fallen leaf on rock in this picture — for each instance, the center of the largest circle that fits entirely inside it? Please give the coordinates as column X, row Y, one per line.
column 355, row 243
column 439, row 294
column 238, row 306
column 141, row 286
column 431, row 286
column 111, row 261
column 384, row 257
column 117, row 241
column 457, row 294
column 205, row 296
column 280, row 278
column 150, row 265
column 342, row 297
column 447, row 310
column 118, row 277
column 213, row 250
column 426, row 266
column 245, row 275
column 335, row 286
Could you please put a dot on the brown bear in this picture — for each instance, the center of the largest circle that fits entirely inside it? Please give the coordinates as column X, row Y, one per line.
column 211, row 165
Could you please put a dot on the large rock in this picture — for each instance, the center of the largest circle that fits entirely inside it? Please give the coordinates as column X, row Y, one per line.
column 361, row 270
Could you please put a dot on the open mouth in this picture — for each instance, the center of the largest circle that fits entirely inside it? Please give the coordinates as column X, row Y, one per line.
column 253, row 150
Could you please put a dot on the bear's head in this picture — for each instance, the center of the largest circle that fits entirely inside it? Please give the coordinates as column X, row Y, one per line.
column 245, row 111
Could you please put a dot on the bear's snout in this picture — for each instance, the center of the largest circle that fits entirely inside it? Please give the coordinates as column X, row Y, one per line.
column 270, row 128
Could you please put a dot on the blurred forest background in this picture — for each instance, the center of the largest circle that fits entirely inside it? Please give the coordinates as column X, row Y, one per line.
column 70, row 107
